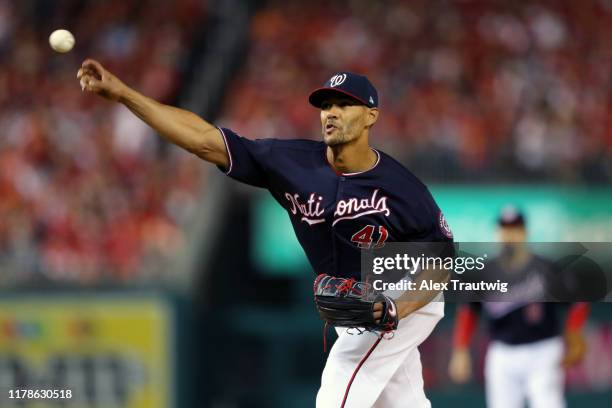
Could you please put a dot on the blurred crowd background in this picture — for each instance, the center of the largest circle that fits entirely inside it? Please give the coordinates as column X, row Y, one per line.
column 487, row 101
column 470, row 90
column 88, row 193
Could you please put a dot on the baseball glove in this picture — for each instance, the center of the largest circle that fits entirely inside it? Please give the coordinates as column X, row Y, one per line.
column 350, row 303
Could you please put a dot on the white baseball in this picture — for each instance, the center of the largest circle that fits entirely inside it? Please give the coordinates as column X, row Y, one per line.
column 61, row 40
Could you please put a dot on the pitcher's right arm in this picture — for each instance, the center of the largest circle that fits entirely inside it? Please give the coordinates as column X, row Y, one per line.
column 179, row 126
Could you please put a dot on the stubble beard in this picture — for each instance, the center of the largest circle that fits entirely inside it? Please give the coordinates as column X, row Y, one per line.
column 334, row 140
column 337, row 138
column 346, row 133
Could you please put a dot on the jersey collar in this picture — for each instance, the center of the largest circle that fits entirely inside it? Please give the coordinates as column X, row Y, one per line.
column 355, row 173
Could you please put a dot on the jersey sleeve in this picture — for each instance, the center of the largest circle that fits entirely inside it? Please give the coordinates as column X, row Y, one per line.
column 426, row 222
column 465, row 325
column 248, row 159
column 576, row 316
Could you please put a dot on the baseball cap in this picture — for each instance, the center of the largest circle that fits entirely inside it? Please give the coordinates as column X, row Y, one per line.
column 349, row 84
column 511, row 216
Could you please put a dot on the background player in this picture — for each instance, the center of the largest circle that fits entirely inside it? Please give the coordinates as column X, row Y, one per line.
column 526, row 356
column 342, row 196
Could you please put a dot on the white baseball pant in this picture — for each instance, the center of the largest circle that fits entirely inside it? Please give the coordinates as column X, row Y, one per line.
column 363, row 371
column 532, row 372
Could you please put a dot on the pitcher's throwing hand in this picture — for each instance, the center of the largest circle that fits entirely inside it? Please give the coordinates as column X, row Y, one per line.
column 94, row 78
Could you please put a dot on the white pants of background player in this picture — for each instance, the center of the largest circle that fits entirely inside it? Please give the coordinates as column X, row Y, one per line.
column 529, row 372
column 385, row 373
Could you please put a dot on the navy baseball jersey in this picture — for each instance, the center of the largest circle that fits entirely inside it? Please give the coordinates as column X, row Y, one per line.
column 522, row 322
column 335, row 215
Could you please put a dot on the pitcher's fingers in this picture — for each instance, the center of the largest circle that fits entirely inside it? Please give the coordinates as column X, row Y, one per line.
column 93, row 65
column 83, row 71
column 84, row 82
column 92, row 84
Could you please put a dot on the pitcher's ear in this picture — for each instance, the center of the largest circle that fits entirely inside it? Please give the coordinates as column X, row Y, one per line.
column 372, row 116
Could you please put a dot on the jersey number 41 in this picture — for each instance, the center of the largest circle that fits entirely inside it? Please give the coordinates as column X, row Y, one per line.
column 363, row 238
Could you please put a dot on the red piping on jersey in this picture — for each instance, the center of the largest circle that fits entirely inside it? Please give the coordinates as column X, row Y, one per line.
column 348, row 387
column 325, row 326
